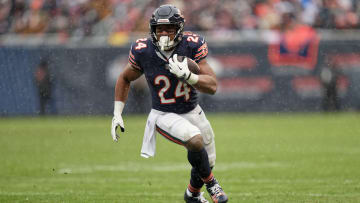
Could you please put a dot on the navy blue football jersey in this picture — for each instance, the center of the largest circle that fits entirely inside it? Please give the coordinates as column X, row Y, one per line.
column 169, row 94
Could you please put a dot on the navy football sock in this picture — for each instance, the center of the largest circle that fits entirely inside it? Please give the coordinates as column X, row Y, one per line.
column 200, row 162
column 195, row 180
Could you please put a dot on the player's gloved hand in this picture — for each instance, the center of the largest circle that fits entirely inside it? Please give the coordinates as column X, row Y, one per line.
column 117, row 120
column 181, row 70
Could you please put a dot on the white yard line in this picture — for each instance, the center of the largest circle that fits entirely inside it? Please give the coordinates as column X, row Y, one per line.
column 164, row 167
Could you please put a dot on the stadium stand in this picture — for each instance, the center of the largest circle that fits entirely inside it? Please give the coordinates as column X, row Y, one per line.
column 117, row 19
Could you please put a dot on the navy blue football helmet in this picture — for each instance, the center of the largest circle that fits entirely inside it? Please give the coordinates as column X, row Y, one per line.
column 167, row 15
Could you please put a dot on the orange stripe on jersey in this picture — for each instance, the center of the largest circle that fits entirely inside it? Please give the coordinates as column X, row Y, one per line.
column 132, row 57
column 204, row 46
column 203, row 53
column 133, row 62
column 130, row 54
column 199, row 55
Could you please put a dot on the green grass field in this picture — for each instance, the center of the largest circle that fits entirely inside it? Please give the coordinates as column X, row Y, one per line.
column 260, row 158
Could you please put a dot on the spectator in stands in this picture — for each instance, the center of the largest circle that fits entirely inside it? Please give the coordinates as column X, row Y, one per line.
column 338, row 14
column 5, row 8
column 44, row 85
column 297, row 44
column 32, row 21
column 120, row 18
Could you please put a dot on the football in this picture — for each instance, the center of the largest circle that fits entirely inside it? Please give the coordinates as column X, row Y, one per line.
column 193, row 66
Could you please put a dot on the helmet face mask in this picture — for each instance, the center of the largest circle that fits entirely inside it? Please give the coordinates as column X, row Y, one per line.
column 167, row 15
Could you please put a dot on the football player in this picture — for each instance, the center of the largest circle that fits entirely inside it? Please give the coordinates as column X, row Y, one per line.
column 175, row 111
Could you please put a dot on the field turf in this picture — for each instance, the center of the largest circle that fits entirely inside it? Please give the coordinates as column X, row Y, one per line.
column 271, row 157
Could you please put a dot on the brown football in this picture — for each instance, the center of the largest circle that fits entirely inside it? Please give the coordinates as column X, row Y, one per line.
column 193, row 66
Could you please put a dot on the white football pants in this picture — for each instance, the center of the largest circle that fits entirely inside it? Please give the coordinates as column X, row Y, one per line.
column 179, row 128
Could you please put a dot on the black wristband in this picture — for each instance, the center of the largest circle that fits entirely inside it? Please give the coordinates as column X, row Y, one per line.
column 188, row 76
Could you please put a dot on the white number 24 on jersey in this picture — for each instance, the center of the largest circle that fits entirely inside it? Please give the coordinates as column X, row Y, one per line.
column 182, row 90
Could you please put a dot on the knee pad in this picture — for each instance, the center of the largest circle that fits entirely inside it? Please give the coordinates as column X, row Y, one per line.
column 210, row 149
column 207, row 133
column 209, row 140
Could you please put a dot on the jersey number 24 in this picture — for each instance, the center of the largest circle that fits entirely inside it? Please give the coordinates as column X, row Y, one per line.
column 182, row 90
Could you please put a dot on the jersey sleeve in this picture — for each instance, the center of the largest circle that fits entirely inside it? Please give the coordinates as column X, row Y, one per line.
column 200, row 49
column 134, row 58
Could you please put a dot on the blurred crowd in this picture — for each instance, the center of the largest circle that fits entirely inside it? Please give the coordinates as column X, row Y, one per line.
column 118, row 18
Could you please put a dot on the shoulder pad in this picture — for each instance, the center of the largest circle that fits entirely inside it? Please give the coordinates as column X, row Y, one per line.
column 197, row 44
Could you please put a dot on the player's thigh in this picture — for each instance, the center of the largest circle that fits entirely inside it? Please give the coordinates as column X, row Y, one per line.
column 198, row 118
column 176, row 128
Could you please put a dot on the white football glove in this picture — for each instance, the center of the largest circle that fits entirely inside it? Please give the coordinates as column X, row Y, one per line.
column 117, row 120
column 181, row 70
